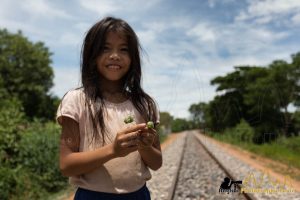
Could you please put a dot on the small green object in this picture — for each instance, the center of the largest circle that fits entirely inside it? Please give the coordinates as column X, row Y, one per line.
column 150, row 124
column 128, row 119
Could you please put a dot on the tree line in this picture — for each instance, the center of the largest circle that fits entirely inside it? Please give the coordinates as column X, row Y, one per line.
column 267, row 98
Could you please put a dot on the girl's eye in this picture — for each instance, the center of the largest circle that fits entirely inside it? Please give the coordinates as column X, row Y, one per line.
column 125, row 49
column 105, row 48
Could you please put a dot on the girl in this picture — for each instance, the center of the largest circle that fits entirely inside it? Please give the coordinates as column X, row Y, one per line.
column 104, row 157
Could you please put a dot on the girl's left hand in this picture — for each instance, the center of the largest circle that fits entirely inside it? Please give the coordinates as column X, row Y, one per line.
column 147, row 137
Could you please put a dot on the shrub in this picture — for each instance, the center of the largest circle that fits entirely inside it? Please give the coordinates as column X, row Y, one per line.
column 243, row 132
column 34, row 172
column 39, row 154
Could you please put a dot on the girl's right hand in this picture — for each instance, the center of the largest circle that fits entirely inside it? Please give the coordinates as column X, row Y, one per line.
column 127, row 140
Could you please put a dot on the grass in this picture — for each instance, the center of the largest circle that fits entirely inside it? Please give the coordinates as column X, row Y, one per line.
column 283, row 150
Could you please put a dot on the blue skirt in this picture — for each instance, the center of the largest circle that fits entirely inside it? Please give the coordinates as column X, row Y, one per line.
column 84, row 194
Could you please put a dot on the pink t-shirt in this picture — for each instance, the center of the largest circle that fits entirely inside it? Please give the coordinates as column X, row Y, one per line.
column 119, row 175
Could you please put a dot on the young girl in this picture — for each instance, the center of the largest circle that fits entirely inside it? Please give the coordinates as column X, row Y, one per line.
column 104, row 157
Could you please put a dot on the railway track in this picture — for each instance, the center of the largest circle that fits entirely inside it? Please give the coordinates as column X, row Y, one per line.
column 191, row 171
column 200, row 174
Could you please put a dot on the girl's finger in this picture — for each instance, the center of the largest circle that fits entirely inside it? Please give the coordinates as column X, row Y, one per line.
column 131, row 143
column 133, row 128
column 129, row 136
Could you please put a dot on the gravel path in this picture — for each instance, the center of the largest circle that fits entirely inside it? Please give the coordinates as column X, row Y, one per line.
column 200, row 176
column 241, row 170
column 162, row 179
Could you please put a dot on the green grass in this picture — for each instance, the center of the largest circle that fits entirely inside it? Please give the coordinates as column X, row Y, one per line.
column 284, row 150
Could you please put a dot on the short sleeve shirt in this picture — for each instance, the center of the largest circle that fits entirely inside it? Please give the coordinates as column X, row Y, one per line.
column 119, row 175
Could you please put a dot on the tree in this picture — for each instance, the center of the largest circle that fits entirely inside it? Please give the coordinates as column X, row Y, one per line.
column 260, row 95
column 198, row 112
column 282, row 76
column 296, row 76
column 180, row 124
column 166, row 121
column 26, row 74
column 227, row 110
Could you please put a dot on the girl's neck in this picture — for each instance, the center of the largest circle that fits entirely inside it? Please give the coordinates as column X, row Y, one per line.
column 113, row 91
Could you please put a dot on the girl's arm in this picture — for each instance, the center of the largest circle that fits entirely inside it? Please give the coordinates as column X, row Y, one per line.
column 73, row 162
column 151, row 155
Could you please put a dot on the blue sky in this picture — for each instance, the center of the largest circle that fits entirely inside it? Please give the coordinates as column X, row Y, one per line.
column 186, row 43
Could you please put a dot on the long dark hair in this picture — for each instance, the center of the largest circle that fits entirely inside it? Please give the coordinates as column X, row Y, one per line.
column 92, row 47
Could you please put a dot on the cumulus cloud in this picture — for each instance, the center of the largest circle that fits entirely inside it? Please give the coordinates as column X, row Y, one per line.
column 203, row 32
column 44, row 9
column 269, row 10
column 107, row 7
column 65, row 79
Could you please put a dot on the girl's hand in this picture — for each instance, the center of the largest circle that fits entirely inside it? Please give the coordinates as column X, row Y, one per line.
column 127, row 140
column 147, row 137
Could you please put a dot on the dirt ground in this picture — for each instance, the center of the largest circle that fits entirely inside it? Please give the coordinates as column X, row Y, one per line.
column 276, row 169
column 169, row 140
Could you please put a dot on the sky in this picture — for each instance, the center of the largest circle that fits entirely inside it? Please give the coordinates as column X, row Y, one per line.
column 185, row 43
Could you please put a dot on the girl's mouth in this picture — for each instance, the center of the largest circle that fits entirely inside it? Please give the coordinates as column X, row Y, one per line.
column 113, row 66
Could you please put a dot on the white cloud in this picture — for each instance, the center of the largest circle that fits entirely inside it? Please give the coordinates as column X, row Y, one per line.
column 65, row 79
column 203, row 32
column 107, row 7
column 30, row 29
column 103, row 7
column 296, row 19
column 44, row 9
column 268, row 10
column 211, row 3
column 146, row 37
column 69, row 38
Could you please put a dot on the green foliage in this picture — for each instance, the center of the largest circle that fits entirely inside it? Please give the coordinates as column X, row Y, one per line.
column 34, row 171
column 161, row 134
column 243, row 132
column 26, row 74
column 11, row 124
column 296, row 120
column 28, row 148
column 285, row 150
column 179, row 125
column 198, row 113
column 19, row 183
column 39, row 154
column 259, row 95
column 165, row 123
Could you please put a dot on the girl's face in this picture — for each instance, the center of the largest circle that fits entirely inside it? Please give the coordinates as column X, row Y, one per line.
column 114, row 61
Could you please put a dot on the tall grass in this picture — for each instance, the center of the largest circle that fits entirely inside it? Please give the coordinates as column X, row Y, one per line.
column 282, row 149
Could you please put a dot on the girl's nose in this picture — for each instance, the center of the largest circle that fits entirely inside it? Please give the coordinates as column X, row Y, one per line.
column 114, row 56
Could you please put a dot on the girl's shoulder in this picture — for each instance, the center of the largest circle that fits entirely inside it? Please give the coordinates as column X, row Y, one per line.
column 74, row 95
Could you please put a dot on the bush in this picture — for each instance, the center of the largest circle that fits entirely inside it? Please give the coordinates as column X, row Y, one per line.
column 34, row 172
column 39, row 154
column 291, row 143
column 243, row 132
column 11, row 124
